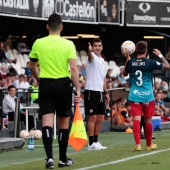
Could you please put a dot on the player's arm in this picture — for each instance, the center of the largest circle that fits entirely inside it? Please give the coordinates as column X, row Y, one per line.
column 166, row 65
column 34, row 69
column 127, row 59
column 89, row 53
column 106, row 91
column 75, row 77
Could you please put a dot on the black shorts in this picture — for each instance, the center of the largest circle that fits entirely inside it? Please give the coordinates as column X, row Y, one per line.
column 94, row 102
column 55, row 96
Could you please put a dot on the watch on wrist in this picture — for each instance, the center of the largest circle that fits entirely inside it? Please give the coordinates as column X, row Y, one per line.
column 105, row 92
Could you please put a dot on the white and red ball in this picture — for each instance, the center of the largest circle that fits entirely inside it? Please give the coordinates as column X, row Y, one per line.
column 128, row 47
column 37, row 134
column 32, row 133
column 24, row 134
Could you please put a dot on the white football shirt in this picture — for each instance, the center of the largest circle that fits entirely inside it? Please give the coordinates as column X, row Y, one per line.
column 95, row 74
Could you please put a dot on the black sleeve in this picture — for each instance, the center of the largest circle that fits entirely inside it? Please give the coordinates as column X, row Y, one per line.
column 33, row 59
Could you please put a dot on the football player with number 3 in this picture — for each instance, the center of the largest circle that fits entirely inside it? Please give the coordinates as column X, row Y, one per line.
column 141, row 95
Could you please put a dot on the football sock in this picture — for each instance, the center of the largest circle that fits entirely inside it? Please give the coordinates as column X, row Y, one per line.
column 95, row 138
column 91, row 140
column 136, row 131
column 148, row 134
column 63, row 143
column 47, row 141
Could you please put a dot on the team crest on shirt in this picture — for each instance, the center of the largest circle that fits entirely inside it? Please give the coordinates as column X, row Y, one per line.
column 108, row 114
column 91, row 110
column 135, row 91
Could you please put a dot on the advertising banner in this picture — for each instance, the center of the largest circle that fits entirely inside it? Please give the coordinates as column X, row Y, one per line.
column 21, row 7
column 109, row 11
column 148, row 13
column 84, row 10
column 72, row 10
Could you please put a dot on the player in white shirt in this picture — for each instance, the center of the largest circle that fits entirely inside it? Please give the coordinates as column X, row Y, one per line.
column 95, row 94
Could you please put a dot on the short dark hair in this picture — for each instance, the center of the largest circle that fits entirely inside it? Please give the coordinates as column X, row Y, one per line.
column 96, row 40
column 54, row 22
column 141, row 47
column 8, row 75
column 32, row 81
column 11, row 87
column 165, row 92
column 127, row 104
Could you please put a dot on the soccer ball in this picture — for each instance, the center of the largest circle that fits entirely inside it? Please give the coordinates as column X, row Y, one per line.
column 37, row 134
column 31, row 133
column 128, row 47
column 24, row 134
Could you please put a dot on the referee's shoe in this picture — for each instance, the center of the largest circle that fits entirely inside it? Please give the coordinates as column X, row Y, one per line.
column 69, row 162
column 49, row 163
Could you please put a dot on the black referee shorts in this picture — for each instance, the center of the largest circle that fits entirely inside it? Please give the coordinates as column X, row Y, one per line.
column 94, row 102
column 55, row 96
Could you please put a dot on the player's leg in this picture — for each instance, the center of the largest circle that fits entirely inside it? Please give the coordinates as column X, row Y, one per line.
column 91, row 100
column 63, row 135
column 47, row 125
column 100, row 113
column 136, row 112
column 91, row 126
column 142, row 125
column 149, row 111
column 63, row 110
column 47, row 109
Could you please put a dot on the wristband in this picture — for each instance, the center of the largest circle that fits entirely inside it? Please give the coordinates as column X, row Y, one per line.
column 160, row 56
column 106, row 92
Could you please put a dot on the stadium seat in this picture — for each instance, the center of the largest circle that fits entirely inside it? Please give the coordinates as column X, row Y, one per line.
column 22, row 71
column 78, row 55
column 22, row 60
column 84, row 58
column 18, row 68
column 15, row 52
column 13, row 65
column 8, row 64
column 106, row 63
column 26, row 58
column 79, row 62
column 112, row 63
column 83, row 53
column 10, row 51
column 12, row 57
column 116, row 71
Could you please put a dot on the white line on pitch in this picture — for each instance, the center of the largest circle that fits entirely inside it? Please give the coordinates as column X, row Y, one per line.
column 123, row 160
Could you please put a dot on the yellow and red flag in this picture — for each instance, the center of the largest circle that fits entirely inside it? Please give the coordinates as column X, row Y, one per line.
column 78, row 136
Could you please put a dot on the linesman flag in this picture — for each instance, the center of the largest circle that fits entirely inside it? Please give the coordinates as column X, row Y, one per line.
column 78, row 136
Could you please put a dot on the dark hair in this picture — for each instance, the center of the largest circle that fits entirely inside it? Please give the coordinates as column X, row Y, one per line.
column 141, row 47
column 21, row 75
column 11, row 87
column 54, row 22
column 164, row 92
column 8, row 75
column 119, row 100
column 96, row 40
column 32, row 81
column 12, row 71
column 127, row 104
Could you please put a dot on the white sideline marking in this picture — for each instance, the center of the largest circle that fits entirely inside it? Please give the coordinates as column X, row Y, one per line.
column 123, row 160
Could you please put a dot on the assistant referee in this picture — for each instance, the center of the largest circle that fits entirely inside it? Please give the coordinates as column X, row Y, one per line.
column 55, row 54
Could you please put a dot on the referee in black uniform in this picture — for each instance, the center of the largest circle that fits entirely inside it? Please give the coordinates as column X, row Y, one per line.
column 55, row 55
